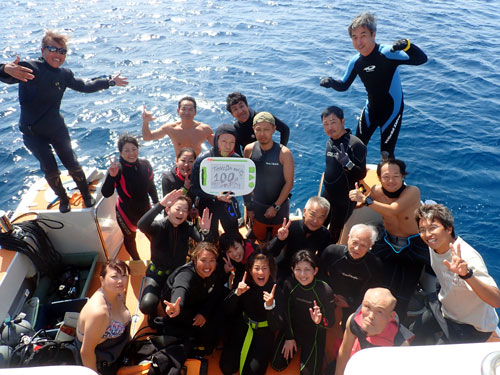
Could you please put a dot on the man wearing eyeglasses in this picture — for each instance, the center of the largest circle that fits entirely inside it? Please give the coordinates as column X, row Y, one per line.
column 41, row 87
column 183, row 133
column 402, row 251
column 465, row 308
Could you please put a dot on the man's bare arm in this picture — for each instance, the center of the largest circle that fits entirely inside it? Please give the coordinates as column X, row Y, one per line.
column 345, row 349
column 149, row 135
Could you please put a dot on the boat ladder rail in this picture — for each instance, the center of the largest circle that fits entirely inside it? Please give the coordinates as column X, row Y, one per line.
column 490, row 363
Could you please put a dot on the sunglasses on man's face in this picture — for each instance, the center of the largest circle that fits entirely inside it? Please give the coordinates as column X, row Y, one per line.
column 62, row 51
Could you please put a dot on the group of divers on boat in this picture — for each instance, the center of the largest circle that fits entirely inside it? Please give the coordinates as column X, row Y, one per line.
column 288, row 282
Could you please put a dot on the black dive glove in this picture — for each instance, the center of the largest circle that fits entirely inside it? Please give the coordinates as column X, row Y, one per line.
column 401, row 45
column 326, row 82
column 342, row 157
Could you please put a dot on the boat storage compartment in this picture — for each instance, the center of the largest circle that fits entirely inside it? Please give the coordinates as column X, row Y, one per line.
column 84, row 263
column 51, row 314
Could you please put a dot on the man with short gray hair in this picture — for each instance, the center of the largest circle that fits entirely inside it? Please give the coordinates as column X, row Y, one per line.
column 351, row 270
column 306, row 234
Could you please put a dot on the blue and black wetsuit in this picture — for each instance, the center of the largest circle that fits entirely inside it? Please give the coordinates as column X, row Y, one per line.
column 338, row 181
column 134, row 184
column 41, row 122
column 380, row 75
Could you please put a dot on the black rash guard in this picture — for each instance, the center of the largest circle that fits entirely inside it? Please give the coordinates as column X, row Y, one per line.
column 245, row 134
column 169, row 244
column 299, row 238
column 40, row 98
column 349, row 277
column 133, row 183
column 310, row 337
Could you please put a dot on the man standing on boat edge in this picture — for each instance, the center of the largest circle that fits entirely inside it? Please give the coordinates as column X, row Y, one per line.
column 465, row 309
column 41, row 87
column 237, row 105
column 377, row 66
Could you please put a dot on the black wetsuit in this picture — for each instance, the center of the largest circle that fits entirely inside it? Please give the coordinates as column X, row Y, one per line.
column 41, row 122
column 270, row 181
column 380, row 75
column 339, row 181
column 299, row 238
column 221, row 211
column 402, row 268
column 349, row 277
column 198, row 296
column 245, row 134
column 173, row 180
column 169, row 248
column 310, row 337
column 250, row 307
column 133, row 183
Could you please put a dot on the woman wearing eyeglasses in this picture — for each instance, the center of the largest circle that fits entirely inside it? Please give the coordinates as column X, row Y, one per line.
column 42, row 84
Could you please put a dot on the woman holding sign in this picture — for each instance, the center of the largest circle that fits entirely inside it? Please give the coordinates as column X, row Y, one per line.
column 221, row 206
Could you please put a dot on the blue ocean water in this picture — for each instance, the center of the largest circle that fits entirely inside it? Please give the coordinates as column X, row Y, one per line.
column 275, row 53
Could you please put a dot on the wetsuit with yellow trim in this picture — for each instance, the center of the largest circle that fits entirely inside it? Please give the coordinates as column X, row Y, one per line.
column 169, row 248
column 251, row 340
column 134, row 184
column 380, row 75
column 309, row 337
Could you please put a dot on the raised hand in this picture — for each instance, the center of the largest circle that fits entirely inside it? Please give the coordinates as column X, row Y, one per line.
column 315, row 313
column 147, row 116
column 199, row 320
column 225, row 197
column 120, row 81
column 457, row 265
column 242, row 285
column 113, row 167
column 284, row 230
column 401, row 45
column 269, row 297
column 228, row 266
column 289, row 348
column 326, row 82
column 206, row 219
column 342, row 157
column 173, row 309
column 169, row 199
column 17, row 71
column 356, row 195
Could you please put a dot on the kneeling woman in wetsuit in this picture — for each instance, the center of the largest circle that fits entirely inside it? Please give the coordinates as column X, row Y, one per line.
column 257, row 305
column 193, row 293
column 169, row 239
column 104, row 323
column 309, row 306
column 133, row 180
column 179, row 176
